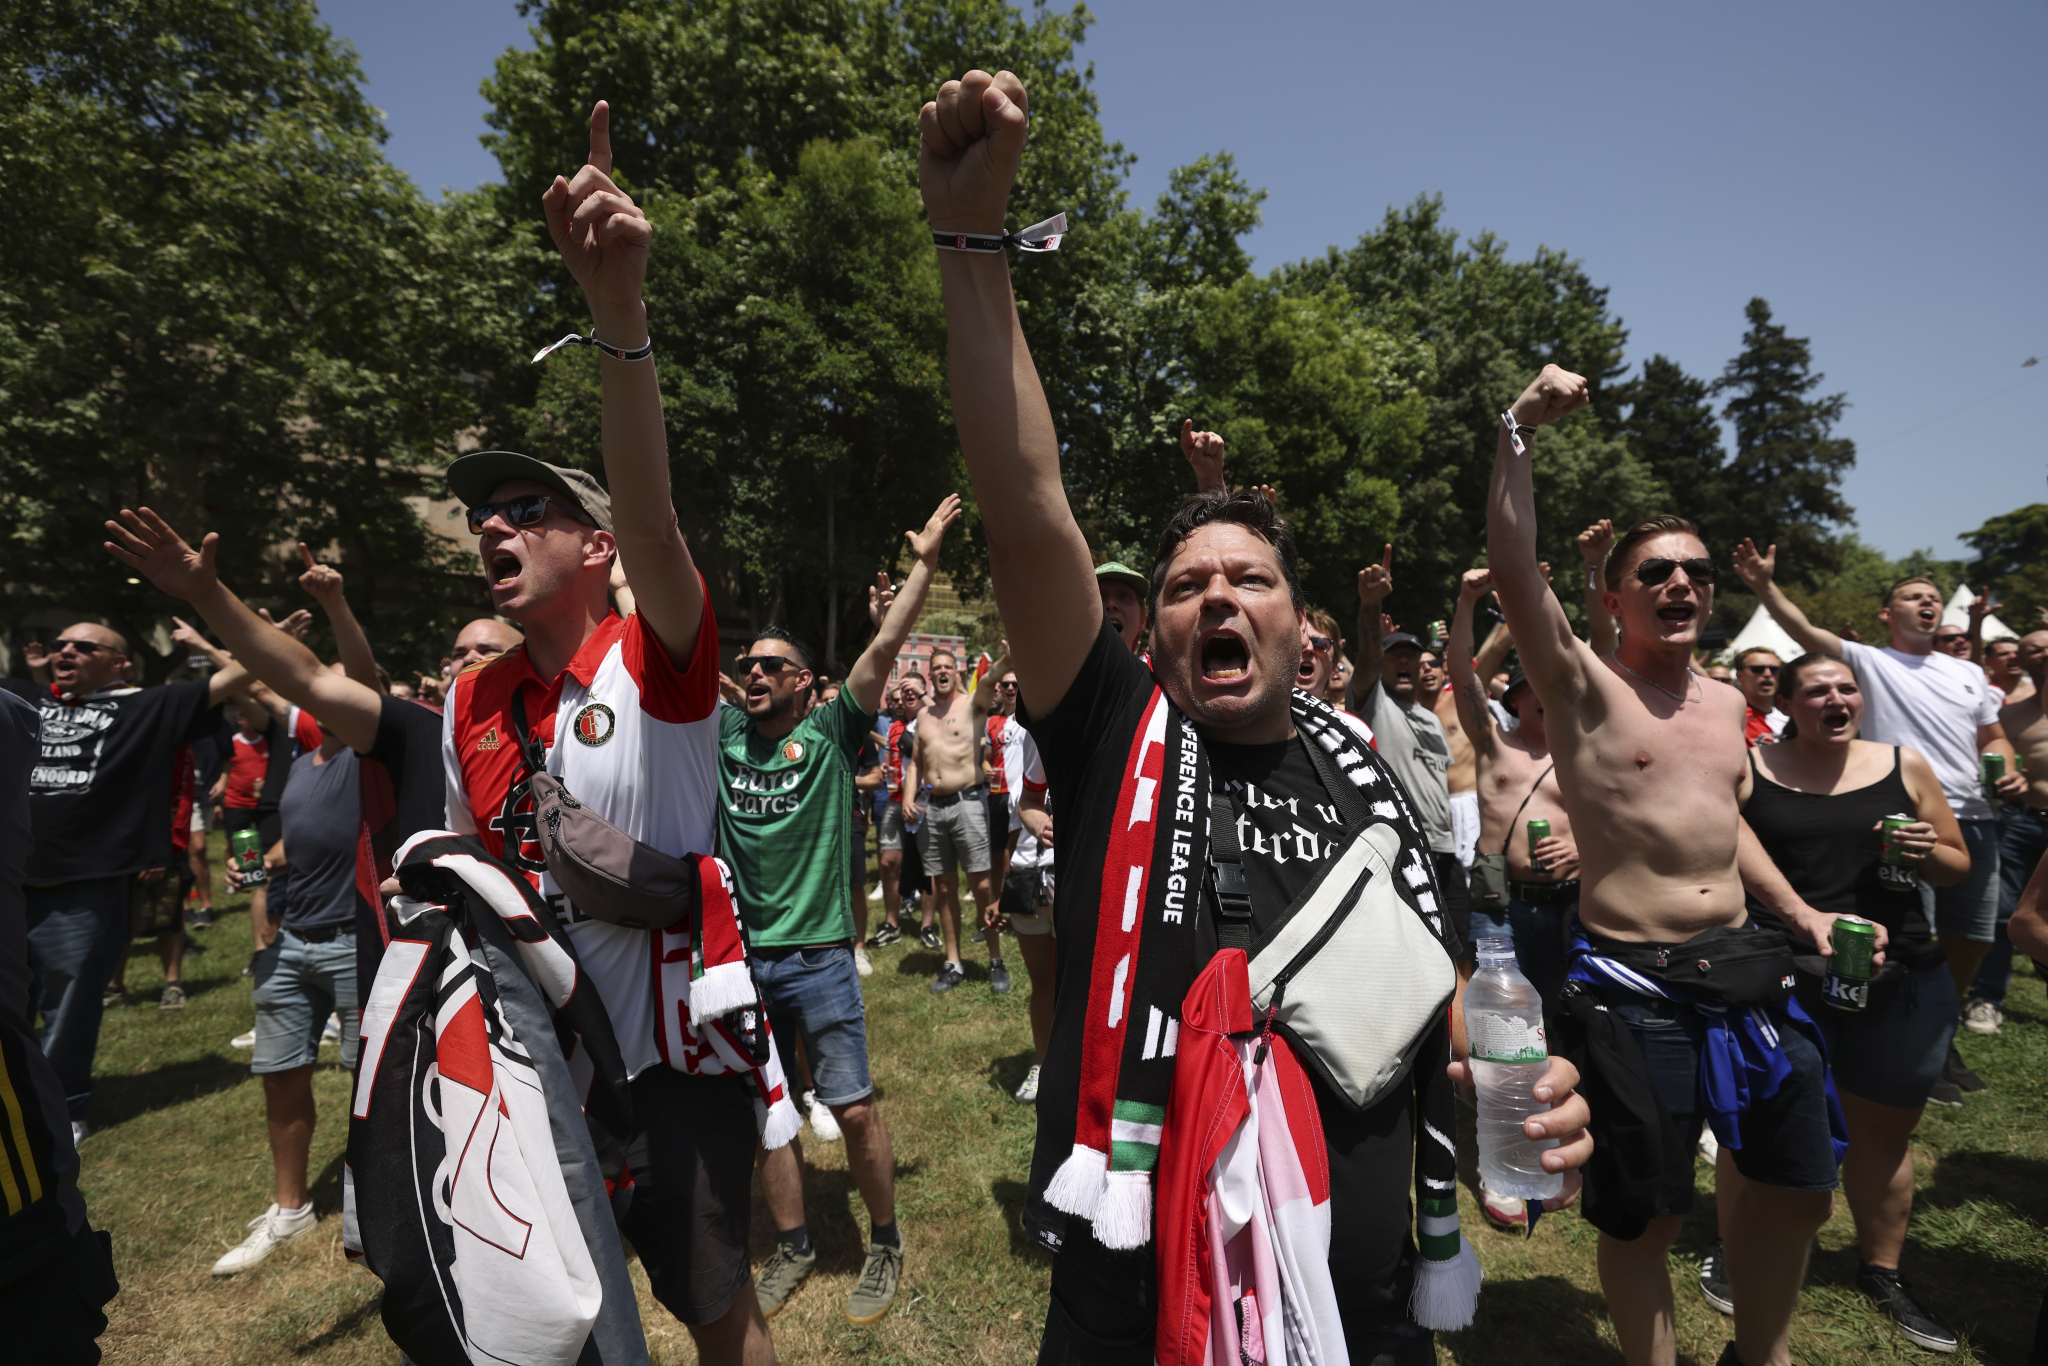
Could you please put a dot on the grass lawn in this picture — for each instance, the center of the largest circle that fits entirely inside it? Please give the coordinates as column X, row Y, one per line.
column 179, row 1161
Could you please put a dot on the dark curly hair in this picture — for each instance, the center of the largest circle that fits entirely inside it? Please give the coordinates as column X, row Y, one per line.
column 1247, row 509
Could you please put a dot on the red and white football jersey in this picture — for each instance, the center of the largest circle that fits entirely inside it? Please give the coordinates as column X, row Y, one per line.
column 634, row 739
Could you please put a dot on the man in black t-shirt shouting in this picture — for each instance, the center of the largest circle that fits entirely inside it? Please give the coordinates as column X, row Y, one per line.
column 1227, row 623
column 98, row 797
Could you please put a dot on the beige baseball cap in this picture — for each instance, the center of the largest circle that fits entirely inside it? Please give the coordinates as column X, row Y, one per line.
column 472, row 478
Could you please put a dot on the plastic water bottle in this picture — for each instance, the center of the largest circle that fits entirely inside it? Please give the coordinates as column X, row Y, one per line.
column 1509, row 1055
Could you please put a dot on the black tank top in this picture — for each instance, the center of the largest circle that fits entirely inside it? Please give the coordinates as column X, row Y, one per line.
column 1827, row 847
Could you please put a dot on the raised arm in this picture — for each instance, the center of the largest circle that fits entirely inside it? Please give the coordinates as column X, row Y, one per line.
column 603, row 237
column 1493, row 653
column 1468, row 689
column 1981, row 606
column 985, row 690
column 1362, row 688
column 229, row 677
column 146, row 543
column 1596, row 542
column 1555, row 659
column 871, row 671
column 1204, row 451
column 323, row 581
column 972, row 137
column 1758, row 573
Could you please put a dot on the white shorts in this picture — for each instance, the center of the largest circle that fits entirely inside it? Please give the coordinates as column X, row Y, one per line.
column 201, row 818
column 1465, row 825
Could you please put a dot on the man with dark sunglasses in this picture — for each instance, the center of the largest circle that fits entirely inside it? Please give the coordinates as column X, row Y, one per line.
column 785, row 829
column 97, row 797
column 1649, row 756
column 1952, row 640
column 1757, row 671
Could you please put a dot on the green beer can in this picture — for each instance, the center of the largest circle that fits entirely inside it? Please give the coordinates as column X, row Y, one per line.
column 1847, row 985
column 1538, row 831
column 1994, row 768
column 245, row 852
column 1895, row 872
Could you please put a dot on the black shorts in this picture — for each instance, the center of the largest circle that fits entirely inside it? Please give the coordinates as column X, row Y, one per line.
column 998, row 819
column 692, row 1159
column 1454, row 883
column 1785, row 1139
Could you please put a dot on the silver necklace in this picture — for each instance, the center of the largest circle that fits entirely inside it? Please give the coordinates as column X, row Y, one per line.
column 1679, row 697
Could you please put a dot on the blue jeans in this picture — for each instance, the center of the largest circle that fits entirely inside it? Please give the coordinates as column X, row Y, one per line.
column 1540, row 934
column 75, row 932
column 813, row 994
column 1970, row 908
column 2022, row 839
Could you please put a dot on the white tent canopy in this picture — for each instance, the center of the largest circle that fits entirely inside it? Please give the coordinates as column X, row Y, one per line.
column 1762, row 629
column 1957, row 613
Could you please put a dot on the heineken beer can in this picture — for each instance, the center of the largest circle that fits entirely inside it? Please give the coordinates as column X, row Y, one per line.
column 1895, row 872
column 1994, row 768
column 1847, row 985
column 1538, row 830
column 245, row 852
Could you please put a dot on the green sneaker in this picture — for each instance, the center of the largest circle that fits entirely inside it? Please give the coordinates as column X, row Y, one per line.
column 780, row 1275
column 875, row 1291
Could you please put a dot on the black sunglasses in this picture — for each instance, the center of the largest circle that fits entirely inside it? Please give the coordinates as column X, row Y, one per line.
column 1011, row 685
column 770, row 664
column 1323, row 643
column 87, row 648
column 1761, row 668
column 526, row 510
column 1656, row 571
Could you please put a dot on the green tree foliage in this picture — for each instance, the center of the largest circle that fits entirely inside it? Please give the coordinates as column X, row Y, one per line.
column 221, row 300
column 2012, row 563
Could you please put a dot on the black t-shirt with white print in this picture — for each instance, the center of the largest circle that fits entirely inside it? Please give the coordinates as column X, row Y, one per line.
column 1288, row 829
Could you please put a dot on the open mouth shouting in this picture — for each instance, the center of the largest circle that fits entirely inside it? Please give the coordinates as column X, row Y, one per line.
column 1225, row 660
column 502, row 570
column 1834, row 722
column 1677, row 615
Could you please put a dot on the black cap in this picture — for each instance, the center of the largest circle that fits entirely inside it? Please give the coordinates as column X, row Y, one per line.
column 472, row 478
column 1400, row 638
column 1516, row 679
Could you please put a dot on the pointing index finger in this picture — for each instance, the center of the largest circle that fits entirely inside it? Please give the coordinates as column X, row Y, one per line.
column 310, row 562
column 601, row 136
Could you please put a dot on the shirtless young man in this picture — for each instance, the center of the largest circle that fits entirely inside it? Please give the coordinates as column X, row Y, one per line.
column 2022, row 835
column 1517, row 783
column 1649, row 759
column 955, row 837
column 1463, row 778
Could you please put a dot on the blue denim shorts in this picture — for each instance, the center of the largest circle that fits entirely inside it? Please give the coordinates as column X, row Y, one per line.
column 813, row 994
column 1969, row 910
column 1785, row 1139
column 298, row 985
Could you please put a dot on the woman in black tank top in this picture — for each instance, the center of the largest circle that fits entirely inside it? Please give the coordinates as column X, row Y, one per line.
column 1814, row 801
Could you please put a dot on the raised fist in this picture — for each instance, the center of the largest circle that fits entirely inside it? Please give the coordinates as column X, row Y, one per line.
column 1550, row 396
column 1596, row 541
column 1204, row 451
column 971, row 139
column 1475, row 584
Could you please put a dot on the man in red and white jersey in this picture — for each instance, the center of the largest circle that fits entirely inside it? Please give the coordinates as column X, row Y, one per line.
column 625, row 709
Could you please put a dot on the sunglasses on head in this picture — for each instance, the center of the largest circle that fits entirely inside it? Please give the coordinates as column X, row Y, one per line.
column 84, row 647
column 526, row 510
column 770, row 664
column 1322, row 643
column 1656, row 571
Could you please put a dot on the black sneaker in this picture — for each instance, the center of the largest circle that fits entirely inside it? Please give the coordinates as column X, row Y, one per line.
column 200, row 918
column 950, row 976
column 1920, row 1326
column 1728, row 1357
column 1945, row 1092
column 998, row 979
column 1714, row 1279
column 885, row 936
column 1958, row 1071
column 929, row 937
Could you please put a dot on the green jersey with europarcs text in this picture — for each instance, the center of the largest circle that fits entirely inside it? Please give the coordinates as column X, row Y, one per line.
column 785, row 822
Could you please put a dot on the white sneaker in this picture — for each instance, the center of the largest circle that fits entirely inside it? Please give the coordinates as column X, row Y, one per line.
column 80, row 1131
column 271, row 1229
column 876, row 895
column 1710, row 1147
column 861, row 964
column 330, row 1034
column 1981, row 1016
column 247, row 1040
column 823, row 1124
column 1027, row 1094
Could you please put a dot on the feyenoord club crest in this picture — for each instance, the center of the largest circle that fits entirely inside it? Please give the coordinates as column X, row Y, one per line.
column 793, row 751
column 594, row 724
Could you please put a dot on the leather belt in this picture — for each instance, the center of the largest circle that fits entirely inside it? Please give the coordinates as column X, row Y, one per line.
column 324, row 934
column 978, row 791
column 1541, row 893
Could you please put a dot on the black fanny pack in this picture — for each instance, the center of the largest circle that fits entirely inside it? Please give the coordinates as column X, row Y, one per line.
column 1737, row 965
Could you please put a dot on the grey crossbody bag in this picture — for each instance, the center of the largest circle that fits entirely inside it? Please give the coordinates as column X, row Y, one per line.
column 1490, row 871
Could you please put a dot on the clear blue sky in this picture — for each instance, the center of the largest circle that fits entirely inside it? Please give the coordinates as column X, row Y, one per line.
column 1879, row 172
